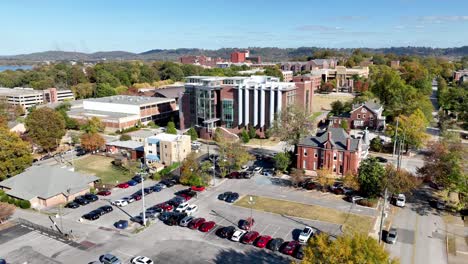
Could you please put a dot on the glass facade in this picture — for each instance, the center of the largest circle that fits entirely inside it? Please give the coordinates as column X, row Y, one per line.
column 205, row 104
column 228, row 112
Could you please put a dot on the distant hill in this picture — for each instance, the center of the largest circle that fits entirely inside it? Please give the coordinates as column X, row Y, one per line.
column 267, row 53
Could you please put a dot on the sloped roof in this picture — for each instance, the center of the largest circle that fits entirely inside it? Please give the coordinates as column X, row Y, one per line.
column 45, row 182
column 170, row 92
column 371, row 105
column 338, row 137
column 128, row 144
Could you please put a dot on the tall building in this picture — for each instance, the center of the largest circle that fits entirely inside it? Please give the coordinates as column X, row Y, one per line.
column 306, row 85
column 233, row 103
column 239, row 56
column 28, row 97
column 167, row 148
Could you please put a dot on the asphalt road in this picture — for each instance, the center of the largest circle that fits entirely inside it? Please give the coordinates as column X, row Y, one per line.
column 421, row 232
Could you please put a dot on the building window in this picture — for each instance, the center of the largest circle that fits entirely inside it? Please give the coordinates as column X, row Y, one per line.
column 359, row 116
column 341, row 156
column 165, row 146
column 305, row 152
column 315, row 165
column 304, row 163
column 334, row 156
column 150, row 151
column 315, row 154
column 341, row 169
column 149, row 144
column 364, row 116
column 371, row 117
column 334, row 168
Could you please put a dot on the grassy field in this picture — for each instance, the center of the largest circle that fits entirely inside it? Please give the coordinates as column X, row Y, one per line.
column 264, row 142
column 323, row 101
column 102, row 168
column 350, row 222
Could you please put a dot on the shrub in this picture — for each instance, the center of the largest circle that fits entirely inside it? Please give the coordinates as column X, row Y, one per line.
column 368, row 202
column 125, row 137
column 152, row 124
column 24, row 204
column 92, row 190
column 245, row 136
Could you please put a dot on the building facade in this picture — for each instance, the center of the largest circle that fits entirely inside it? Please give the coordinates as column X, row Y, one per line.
column 287, row 76
column 234, row 103
column 306, row 85
column 367, row 115
column 28, row 97
column 307, row 66
column 332, row 149
column 167, row 148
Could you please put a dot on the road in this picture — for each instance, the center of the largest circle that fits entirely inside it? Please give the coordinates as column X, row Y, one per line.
column 421, row 232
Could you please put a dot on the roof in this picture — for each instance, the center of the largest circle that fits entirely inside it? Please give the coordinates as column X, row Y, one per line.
column 167, row 137
column 129, row 144
column 143, row 133
column 45, row 182
column 131, row 100
column 103, row 115
column 338, row 137
column 19, row 91
column 371, row 105
column 171, row 92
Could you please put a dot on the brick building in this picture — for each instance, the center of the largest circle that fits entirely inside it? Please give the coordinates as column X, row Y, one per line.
column 301, row 66
column 332, row 149
column 306, row 85
column 367, row 115
column 200, row 60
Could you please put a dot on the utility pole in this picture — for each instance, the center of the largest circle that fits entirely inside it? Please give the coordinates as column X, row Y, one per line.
column 382, row 216
column 143, row 192
column 395, row 138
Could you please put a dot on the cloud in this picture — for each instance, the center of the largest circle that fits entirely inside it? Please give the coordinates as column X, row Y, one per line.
column 441, row 19
column 319, row 28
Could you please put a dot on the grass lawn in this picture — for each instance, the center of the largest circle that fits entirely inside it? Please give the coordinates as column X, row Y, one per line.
column 323, row 101
column 264, row 142
column 350, row 222
column 102, row 168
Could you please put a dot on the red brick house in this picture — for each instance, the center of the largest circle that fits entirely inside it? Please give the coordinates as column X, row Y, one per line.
column 366, row 115
column 333, row 149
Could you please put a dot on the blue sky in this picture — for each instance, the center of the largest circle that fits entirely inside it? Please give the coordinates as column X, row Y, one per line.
column 137, row 26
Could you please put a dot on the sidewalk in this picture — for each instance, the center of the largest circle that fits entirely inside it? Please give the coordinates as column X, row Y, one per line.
column 457, row 238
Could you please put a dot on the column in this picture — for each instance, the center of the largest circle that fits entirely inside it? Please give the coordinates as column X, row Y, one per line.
column 239, row 105
column 262, row 106
column 272, row 105
column 255, row 110
column 280, row 99
column 247, row 104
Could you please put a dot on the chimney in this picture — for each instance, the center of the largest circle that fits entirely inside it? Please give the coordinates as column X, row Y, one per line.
column 329, row 135
column 348, row 143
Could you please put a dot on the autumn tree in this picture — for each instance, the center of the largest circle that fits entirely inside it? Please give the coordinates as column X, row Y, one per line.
column 46, row 128
column 350, row 180
column 236, row 154
column 348, row 248
column 297, row 176
column 6, row 211
column 15, row 154
column 412, row 129
column 282, row 161
column 292, row 124
column 325, row 177
column 398, row 181
column 369, row 177
column 191, row 172
column 93, row 125
column 92, row 141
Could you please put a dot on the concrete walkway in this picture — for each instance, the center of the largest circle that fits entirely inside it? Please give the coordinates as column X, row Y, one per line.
column 457, row 233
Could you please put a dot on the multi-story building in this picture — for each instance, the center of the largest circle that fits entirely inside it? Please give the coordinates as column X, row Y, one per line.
column 344, row 76
column 367, row 115
column 306, row 85
column 123, row 111
column 52, row 95
column 287, row 76
column 28, row 97
column 331, row 149
column 200, row 60
column 239, row 56
column 458, row 74
column 307, row 66
column 233, row 103
column 167, row 148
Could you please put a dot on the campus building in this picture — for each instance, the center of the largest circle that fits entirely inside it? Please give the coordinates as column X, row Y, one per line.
column 307, row 66
column 123, row 111
column 233, row 103
column 344, row 76
column 306, row 85
column 166, row 148
column 367, row 115
column 28, row 97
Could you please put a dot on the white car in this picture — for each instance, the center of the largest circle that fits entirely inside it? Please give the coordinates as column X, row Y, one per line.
column 306, row 234
column 238, row 235
column 120, row 203
column 257, row 170
column 141, row 260
column 129, row 199
column 182, row 207
column 191, row 209
column 244, row 167
column 401, row 200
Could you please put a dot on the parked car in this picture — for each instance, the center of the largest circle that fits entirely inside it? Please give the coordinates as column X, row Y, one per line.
column 138, row 178
column 224, row 195
column 161, row 185
column 129, row 199
column 207, row 226
column 72, row 205
column 165, row 215
column 263, row 241
column 165, row 206
column 392, row 236
column 135, row 196
column 91, row 216
column 141, row 260
column 268, row 173
column 123, row 185
column 106, row 208
column 257, row 170
column 290, row 247
column 172, row 220
column 121, row 224
column 400, row 200
column 132, row 182
column 120, row 203
column 226, row 231
column 250, row 237
column 81, row 201
column 305, row 235
column 196, row 223
column 275, row 244
column 232, row 197
column 91, row 197
column 234, row 175
column 246, row 174
column 246, row 224
column 156, row 188
column 148, row 190
column 81, row 152
column 104, row 193
column 182, row 207
column 186, row 220
column 237, row 235
column 168, row 183
column 109, row 259
column 192, row 209
column 299, row 254
column 381, row 159
column 99, row 212
column 187, row 192
column 185, row 196
column 198, row 188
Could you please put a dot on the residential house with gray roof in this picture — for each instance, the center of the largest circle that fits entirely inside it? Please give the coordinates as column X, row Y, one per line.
column 366, row 115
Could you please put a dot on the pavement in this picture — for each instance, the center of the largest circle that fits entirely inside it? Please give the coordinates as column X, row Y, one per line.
column 457, row 231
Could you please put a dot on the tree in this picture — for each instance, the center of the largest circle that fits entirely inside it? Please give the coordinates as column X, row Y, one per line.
column 282, row 161
column 6, row 211
column 104, row 90
column 292, row 124
column 350, row 180
column 413, row 129
column 245, row 136
column 125, row 137
column 297, row 176
column 344, row 124
column 171, row 129
column 46, row 128
column 398, row 181
column 236, row 154
column 92, row 141
column 252, row 132
column 348, row 248
column 193, row 134
column 324, row 177
column 274, row 71
column 376, row 144
column 93, row 125
column 15, row 154
column 83, row 90
column 218, row 136
column 327, row 87
column 370, row 173
column 190, row 171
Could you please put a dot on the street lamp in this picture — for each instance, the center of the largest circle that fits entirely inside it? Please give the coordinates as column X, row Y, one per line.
column 251, row 203
column 143, row 190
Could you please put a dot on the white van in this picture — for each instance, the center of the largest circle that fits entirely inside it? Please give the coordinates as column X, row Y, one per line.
column 401, row 200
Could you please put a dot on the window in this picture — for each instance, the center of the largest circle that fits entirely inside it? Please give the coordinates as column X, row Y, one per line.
column 371, row 117
column 149, row 144
column 315, row 165
column 165, row 146
column 364, row 116
column 334, row 156
column 150, row 151
column 334, row 168
column 305, row 152
column 359, row 116
column 304, row 163
column 315, row 154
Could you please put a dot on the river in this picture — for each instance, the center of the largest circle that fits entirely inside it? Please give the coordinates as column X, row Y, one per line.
column 15, row 67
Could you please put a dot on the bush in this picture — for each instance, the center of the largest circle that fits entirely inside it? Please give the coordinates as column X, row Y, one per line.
column 125, row 137
column 152, row 124
column 130, row 129
column 245, row 136
column 368, row 202
column 376, row 144
column 24, row 204
column 92, row 190
column 4, row 198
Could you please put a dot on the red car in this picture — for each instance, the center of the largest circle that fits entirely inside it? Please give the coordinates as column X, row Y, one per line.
column 290, row 247
column 123, row 185
column 185, row 196
column 104, row 193
column 246, row 224
column 234, row 175
column 196, row 223
column 207, row 226
column 166, row 207
column 263, row 241
column 250, row 237
column 136, row 197
column 198, row 188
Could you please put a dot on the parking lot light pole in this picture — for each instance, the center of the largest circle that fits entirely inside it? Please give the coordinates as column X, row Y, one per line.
column 143, row 192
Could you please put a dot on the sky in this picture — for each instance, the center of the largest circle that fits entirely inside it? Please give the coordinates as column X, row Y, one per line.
column 104, row 25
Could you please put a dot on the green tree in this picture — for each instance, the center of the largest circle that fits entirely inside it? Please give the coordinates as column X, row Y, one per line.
column 93, row 125
column 235, row 154
column 15, row 154
column 274, row 71
column 104, row 90
column 125, row 137
column 348, row 248
column 344, row 124
column 218, row 136
column 46, row 128
column 413, row 129
column 170, row 70
column 252, row 132
column 398, row 181
column 190, row 172
column 245, row 136
column 376, row 144
column 282, row 161
column 370, row 173
column 171, row 129
column 350, row 180
column 192, row 133
column 83, row 90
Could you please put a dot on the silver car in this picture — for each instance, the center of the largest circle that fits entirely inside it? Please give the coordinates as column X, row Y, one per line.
column 392, row 236
column 186, row 220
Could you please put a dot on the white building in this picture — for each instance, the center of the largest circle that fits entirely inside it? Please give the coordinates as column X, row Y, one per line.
column 167, row 148
column 25, row 97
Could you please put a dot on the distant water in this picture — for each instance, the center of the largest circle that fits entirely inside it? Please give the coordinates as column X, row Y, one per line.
column 15, row 67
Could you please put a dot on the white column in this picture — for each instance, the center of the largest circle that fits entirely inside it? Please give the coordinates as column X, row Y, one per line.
column 280, row 99
column 272, row 104
column 255, row 110
column 239, row 105
column 262, row 106
column 247, row 104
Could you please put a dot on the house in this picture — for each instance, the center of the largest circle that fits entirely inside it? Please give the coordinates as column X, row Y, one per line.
column 333, row 149
column 46, row 186
column 130, row 148
column 167, row 148
column 365, row 115
column 142, row 134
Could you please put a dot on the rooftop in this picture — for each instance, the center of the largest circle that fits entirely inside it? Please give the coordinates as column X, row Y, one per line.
column 167, row 137
column 143, row 133
column 45, row 182
column 101, row 114
column 131, row 100
column 129, row 144
column 170, row 92
column 19, row 91
column 338, row 138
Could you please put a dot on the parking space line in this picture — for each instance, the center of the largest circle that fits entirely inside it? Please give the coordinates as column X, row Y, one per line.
column 287, row 233
column 265, row 228
column 274, row 233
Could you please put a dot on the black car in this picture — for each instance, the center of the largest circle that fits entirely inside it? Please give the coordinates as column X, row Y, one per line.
column 188, row 192
column 99, row 212
column 156, row 188
column 299, row 254
column 176, row 201
column 106, row 208
column 80, row 152
column 148, row 190
column 138, row 193
column 138, row 178
column 226, row 231
column 168, row 183
column 165, row 215
column 381, row 159
column 91, row 197
column 275, row 244
column 224, row 196
column 72, row 205
column 172, row 220
column 81, row 201
column 91, row 216
column 232, row 197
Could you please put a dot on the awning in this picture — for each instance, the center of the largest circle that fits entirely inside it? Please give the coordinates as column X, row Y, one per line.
column 152, row 157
